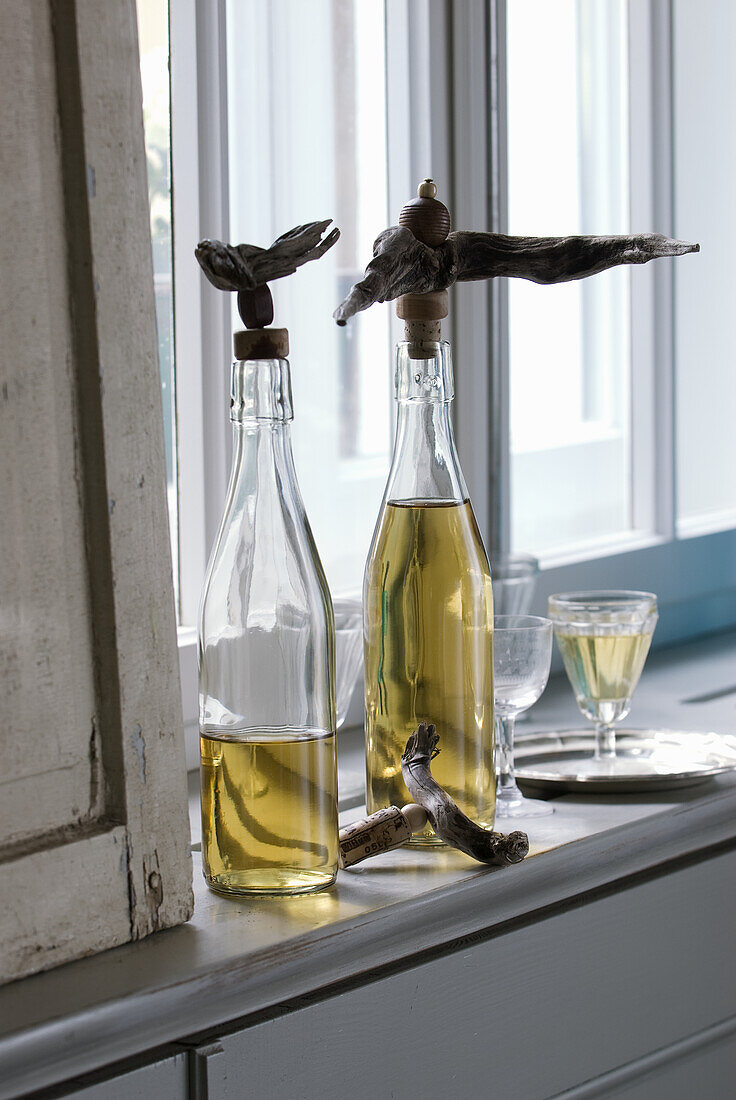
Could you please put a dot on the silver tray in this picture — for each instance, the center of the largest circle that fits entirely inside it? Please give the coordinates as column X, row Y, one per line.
column 646, row 760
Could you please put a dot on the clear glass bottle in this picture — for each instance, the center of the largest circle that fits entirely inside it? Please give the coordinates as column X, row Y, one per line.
column 266, row 665
column 428, row 604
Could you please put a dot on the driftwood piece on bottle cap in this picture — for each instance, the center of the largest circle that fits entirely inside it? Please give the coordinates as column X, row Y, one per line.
column 246, row 269
column 402, row 264
column 447, row 819
column 246, row 266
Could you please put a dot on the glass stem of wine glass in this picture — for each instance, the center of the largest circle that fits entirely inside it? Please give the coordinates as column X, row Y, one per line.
column 506, row 787
column 605, row 741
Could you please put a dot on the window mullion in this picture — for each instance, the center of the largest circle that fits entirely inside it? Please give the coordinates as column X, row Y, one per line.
column 499, row 443
column 187, row 308
column 398, row 118
column 652, row 351
column 202, row 319
column 214, row 219
column 647, row 505
column 664, row 275
column 478, row 188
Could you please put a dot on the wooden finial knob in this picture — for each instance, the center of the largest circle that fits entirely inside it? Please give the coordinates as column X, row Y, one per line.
column 426, row 216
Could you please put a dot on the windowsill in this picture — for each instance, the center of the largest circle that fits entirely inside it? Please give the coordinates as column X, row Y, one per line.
column 235, row 959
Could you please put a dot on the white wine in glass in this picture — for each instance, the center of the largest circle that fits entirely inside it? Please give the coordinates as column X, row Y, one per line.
column 604, row 639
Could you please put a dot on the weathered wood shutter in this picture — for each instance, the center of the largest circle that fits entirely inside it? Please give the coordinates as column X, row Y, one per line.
column 94, row 837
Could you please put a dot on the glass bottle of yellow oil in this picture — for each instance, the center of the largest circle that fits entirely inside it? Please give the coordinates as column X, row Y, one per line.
column 428, row 604
column 427, row 597
column 266, row 658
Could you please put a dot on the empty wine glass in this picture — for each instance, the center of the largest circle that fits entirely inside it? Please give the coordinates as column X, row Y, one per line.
column 522, row 649
column 604, row 639
column 514, row 578
column 348, row 651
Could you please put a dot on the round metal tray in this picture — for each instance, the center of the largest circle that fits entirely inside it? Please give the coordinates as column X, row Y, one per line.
column 646, row 760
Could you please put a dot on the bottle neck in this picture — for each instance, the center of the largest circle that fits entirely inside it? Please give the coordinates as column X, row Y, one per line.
column 425, row 465
column 260, row 392
column 261, row 413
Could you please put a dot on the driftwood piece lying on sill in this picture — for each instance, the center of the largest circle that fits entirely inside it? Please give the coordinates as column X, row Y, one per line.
column 402, row 264
column 246, row 266
column 447, row 819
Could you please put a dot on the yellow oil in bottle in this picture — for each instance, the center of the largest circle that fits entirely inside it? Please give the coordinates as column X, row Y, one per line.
column 429, row 654
column 269, row 811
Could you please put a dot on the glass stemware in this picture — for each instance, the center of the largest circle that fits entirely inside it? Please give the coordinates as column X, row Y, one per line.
column 348, row 651
column 514, row 578
column 604, row 639
column 522, row 649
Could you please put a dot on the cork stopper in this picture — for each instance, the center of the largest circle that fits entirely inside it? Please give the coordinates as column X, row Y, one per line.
column 381, row 832
column 429, row 221
column 261, row 343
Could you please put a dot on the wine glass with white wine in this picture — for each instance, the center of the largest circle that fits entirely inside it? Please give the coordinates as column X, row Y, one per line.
column 604, row 639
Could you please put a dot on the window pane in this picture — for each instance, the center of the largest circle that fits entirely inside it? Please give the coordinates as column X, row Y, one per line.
column 569, row 344
column 307, row 140
column 705, row 167
column 153, row 36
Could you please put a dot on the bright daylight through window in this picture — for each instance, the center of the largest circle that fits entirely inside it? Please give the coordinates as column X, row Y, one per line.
column 315, row 148
column 318, row 150
column 569, row 344
column 621, row 396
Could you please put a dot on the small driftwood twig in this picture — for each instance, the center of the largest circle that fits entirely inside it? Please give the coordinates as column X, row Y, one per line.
column 447, row 819
column 402, row 264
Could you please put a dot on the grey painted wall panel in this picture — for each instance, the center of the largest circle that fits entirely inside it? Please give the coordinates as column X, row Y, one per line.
column 162, row 1080
column 525, row 1015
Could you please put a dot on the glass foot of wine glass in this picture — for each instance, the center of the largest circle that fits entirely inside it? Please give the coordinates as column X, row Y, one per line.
column 522, row 648
column 512, row 803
